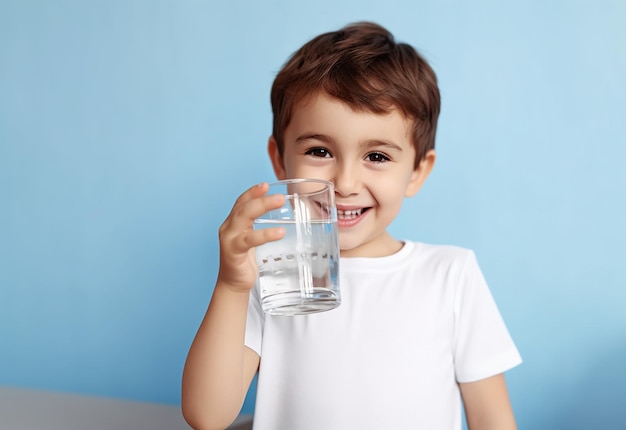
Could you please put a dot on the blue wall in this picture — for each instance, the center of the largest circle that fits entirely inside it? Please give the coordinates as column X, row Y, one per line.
column 127, row 129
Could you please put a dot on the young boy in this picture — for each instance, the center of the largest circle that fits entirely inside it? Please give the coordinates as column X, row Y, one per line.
column 417, row 330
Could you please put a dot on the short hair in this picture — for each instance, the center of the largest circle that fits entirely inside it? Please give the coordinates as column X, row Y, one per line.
column 362, row 66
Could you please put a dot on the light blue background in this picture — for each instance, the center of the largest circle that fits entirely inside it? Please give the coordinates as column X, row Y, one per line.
column 128, row 128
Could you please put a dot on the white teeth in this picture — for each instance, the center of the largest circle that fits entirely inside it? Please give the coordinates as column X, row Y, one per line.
column 349, row 214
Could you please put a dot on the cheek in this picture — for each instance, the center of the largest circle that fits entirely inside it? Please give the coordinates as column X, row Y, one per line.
column 390, row 195
column 297, row 168
column 296, row 172
column 291, row 167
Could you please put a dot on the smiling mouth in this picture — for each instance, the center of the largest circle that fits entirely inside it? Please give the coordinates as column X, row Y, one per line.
column 350, row 214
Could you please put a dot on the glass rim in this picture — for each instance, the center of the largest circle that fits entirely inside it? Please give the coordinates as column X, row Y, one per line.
column 328, row 186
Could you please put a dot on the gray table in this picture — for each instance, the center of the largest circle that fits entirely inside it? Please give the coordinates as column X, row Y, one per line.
column 25, row 409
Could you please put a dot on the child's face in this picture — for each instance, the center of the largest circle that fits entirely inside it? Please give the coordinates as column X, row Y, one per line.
column 368, row 157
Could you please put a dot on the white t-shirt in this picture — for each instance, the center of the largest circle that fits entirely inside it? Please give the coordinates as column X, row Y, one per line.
column 410, row 327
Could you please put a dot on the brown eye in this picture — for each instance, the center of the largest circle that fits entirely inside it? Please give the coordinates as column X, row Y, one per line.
column 377, row 157
column 318, row 152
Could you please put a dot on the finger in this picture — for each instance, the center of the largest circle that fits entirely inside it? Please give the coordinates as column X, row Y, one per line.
column 248, row 209
column 252, row 193
column 244, row 241
column 254, row 238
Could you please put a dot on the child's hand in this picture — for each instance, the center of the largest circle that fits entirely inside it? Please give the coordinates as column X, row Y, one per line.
column 238, row 269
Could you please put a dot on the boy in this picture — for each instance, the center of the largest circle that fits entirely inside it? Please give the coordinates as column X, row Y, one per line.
column 417, row 329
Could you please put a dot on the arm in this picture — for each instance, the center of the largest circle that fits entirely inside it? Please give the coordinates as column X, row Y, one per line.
column 219, row 367
column 487, row 404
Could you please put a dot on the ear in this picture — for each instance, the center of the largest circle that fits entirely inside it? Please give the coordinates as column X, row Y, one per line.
column 421, row 172
column 276, row 159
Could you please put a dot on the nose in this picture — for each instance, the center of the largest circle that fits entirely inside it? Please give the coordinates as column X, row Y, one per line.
column 346, row 180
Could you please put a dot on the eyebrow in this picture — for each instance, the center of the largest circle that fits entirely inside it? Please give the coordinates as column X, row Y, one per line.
column 373, row 143
column 314, row 136
column 369, row 143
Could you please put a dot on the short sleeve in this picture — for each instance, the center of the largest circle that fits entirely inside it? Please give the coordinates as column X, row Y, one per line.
column 254, row 322
column 482, row 346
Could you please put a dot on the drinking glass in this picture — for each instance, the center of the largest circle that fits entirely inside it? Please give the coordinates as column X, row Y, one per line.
column 299, row 274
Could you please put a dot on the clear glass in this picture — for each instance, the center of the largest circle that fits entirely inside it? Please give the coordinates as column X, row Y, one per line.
column 299, row 274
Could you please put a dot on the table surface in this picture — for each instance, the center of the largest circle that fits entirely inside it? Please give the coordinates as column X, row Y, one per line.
column 26, row 409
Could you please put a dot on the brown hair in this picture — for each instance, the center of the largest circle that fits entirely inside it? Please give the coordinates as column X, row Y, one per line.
column 364, row 67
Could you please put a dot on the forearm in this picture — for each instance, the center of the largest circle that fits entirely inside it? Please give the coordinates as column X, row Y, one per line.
column 487, row 404
column 502, row 422
column 214, row 380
